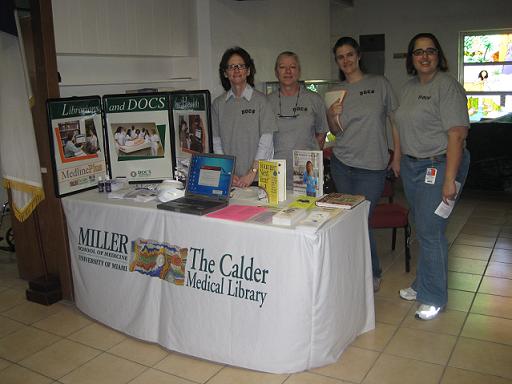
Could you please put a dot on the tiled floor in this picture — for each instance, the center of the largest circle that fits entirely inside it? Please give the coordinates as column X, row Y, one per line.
column 469, row 343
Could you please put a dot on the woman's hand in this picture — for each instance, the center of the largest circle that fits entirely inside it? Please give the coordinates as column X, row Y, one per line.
column 449, row 190
column 333, row 117
column 246, row 180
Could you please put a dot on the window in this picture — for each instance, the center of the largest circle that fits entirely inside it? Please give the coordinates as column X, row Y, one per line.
column 486, row 72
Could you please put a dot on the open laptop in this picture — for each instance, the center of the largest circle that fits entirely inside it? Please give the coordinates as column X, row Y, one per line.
column 208, row 185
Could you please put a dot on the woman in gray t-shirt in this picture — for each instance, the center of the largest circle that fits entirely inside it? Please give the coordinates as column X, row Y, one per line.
column 433, row 122
column 360, row 154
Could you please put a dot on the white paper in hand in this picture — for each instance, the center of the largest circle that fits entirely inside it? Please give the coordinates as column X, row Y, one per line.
column 332, row 97
column 444, row 210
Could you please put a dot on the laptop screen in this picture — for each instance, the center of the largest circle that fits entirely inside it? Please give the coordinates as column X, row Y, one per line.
column 210, row 175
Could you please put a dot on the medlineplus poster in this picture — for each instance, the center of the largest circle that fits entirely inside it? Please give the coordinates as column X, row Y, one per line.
column 78, row 152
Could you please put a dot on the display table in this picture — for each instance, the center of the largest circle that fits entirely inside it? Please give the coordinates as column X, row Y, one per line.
column 260, row 297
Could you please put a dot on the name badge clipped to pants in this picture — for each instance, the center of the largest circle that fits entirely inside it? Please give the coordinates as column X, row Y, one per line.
column 430, row 176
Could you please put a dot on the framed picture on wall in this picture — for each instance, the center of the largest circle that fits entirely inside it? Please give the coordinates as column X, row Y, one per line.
column 139, row 136
column 191, row 120
column 77, row 143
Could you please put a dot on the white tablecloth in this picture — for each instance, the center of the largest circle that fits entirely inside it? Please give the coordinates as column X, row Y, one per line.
column 303, row 301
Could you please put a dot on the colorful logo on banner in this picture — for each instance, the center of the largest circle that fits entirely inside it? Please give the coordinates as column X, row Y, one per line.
column 230, row 275
column 161, row 260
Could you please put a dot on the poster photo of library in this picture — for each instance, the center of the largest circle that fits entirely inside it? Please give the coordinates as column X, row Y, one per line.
column 192, row 134
column 138, row 139
column 78, row 141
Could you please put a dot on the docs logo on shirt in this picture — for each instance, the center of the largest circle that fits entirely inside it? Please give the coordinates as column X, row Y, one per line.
column 245, row 111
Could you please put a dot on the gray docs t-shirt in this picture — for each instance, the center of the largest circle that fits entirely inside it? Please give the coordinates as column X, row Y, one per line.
column 297, row 132
column 427, row 112
column 366, row 107
column 240, row 123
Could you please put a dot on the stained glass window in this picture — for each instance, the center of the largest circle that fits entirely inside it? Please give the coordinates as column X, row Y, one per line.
column 486, row 72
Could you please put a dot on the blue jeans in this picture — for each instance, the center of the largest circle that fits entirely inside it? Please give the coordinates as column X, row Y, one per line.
column 359, row 181
column 431, row 283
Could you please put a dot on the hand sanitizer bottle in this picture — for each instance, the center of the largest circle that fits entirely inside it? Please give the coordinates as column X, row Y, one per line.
column 108, row 185
column 101, row 184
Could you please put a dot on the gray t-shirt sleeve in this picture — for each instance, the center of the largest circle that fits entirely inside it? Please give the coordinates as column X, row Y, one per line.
column 215, row 118
column 390, row 100
column 453, row 106
column 320, row 110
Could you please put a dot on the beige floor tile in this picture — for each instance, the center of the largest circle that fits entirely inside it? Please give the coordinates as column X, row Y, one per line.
column 139, row 351
column 475, row 240
column 377, row 339
column 353, row 365
column 496, row 286
column 504, row 243
column 24, row 342
column 481, row 230
column 14, row 282
column 30, row 312
column 97, row 336
column 460, row 376
column 488, row 328
column 486, row 211
column 104, row 369
column 482, row 356
column 19, row 375
column 231, row 375
column 4, row 364
column 470, row 252
column 391, row 284
column 8, row 326
column 311, row 378
column 502, row 255
column 391, row 311
column 463, row 281
column 459, row 300
column 421, row 345
column 393, row 370
column 492, row 305
column 506, row 231
column 64, row 323
column 10, row 297
column 60, row 358
column 459, row 264
column 188, row 367
column 449, row 322
column 499, row 270
column 480, row 220
column 153, row 376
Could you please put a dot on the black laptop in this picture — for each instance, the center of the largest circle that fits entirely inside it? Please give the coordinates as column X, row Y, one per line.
column 208, row 185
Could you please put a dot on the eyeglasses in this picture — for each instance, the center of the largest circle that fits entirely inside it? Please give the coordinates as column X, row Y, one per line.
column 428, row 51
column 295, row 114
column 232, row 67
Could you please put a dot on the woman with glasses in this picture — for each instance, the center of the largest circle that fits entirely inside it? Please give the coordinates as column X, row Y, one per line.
column 361, row 151
column 300, row 113
column 433, row 122
column 242, row 119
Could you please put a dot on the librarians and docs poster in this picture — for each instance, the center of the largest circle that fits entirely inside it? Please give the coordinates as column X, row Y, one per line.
column 138, row 133
column 78, row 153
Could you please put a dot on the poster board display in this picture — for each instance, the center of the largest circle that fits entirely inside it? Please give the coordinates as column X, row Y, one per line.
column 77, row 143
column 139, row 136
column 191, row 121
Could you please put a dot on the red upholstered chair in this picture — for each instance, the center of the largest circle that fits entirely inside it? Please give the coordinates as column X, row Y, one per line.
column 393, row 215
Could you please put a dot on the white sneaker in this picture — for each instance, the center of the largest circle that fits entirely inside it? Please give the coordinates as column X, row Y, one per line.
column 428, row 312
column 408, row 294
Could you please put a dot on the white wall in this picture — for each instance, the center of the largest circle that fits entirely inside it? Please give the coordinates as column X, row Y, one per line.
column 267, row 27
column 400, row 20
